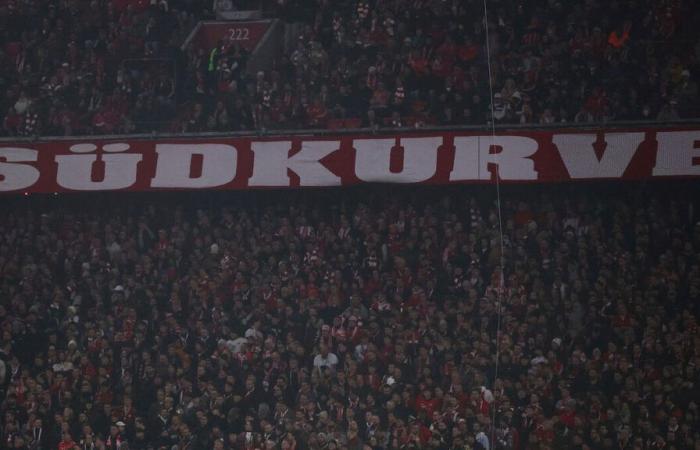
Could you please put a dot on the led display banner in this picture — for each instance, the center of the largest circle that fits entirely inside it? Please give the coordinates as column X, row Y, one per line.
column 246, row 34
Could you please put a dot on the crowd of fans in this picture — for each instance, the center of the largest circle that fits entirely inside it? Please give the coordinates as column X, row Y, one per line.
column 69, row 67
column 353, row 319
column 74, row 67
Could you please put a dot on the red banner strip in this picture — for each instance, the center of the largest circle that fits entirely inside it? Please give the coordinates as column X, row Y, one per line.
column 300, row 161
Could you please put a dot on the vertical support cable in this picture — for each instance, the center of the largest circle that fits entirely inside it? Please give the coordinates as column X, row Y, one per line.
column 501, row 281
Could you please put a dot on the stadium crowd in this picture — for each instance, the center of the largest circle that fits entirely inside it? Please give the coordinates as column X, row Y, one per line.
column 115, row 66
column 353, row 319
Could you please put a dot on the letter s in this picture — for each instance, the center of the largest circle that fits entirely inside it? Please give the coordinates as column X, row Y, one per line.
column 14, row 176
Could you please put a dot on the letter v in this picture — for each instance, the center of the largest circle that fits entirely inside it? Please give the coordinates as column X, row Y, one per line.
column 579, row 157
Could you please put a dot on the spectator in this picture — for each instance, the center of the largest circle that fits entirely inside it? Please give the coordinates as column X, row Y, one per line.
column 12, row 122
column 547, row 117
column 500, row 107
column 31, row 125
column 325, row 359
column 687, row 92
column 584, row 116
column 388, row 56
column 668, row 113
column 67, row 442
column 161, row 325
column 618, row 38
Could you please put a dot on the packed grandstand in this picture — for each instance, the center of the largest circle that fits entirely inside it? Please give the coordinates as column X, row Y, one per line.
column 468, row 313
column 112, row 67
column 354, row 319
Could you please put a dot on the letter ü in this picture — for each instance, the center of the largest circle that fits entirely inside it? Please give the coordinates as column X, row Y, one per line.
column 76, row 171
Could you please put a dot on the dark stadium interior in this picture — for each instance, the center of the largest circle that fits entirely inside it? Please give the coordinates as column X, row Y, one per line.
column 349, row 225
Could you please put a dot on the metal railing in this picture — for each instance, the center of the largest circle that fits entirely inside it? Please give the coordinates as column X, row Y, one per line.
column 598, row 126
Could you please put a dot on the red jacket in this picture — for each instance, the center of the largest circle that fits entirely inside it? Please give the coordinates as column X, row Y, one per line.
column 429, row 406
column 63, row 445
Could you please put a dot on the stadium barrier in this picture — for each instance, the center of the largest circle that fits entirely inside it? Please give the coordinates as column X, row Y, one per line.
column 435, row 156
